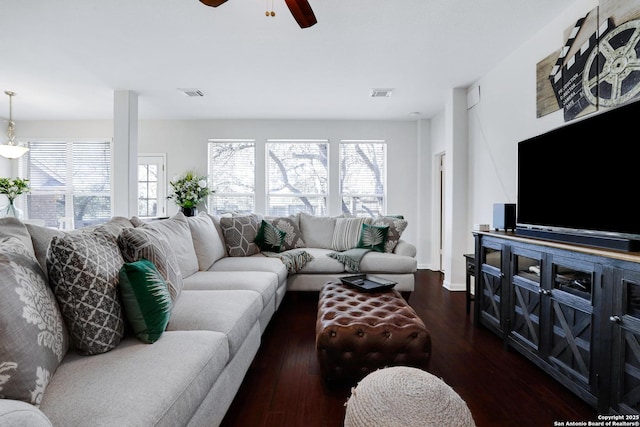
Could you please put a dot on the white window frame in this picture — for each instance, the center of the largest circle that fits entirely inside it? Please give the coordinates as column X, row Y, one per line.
column 159, row 159
column 383, row 206
column 212, row 173
column 326, row 195
column 66, row 222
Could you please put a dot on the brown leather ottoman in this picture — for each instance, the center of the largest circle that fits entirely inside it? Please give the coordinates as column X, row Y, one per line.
column 358, row 333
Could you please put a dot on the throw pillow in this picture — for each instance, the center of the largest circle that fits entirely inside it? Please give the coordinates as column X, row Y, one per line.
column 13, row 227
column 41, row 237
column 269, row 238
column 293, row 238
column 34, row 339
column 142, row 243
column 240, row 233
column 397, row 225
column 83, row 271
column 207, row 243
column 317, row 230
column 146, row 299
column 176, row 230
column 373, row 237
column 347, row 233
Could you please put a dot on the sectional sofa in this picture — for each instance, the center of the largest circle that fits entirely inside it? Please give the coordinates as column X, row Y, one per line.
column 73, row 349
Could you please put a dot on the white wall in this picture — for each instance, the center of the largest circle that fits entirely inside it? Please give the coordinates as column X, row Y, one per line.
column 506, row 115
column 185, row 144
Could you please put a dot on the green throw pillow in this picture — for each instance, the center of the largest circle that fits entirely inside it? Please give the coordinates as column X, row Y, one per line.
column 373, row 237
column 269, row 238
column 146, row 299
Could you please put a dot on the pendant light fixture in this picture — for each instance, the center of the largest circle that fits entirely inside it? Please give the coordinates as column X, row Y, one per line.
column 11, row 150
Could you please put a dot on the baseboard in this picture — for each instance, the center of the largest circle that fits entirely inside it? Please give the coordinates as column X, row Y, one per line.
column 425, row 267
column 454, row 287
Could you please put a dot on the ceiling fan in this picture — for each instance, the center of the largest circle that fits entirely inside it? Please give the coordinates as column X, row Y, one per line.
column 300, row 10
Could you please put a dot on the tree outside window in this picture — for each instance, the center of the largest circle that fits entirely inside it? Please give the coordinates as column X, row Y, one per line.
column 232, row 174
column 297, row 177
column 363, row 177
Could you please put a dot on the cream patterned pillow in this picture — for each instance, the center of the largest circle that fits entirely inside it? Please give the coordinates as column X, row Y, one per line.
column 293, row 235
column 32, row 331
column 396, row 225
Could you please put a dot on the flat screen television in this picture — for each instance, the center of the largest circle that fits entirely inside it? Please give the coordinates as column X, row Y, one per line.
column 577, row 183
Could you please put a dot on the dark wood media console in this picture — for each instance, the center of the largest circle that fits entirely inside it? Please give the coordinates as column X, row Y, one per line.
column 572, row 310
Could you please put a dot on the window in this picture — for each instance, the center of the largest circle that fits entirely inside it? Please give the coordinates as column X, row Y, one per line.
column 232, row 175
column 297, row 177
column 151, row 185
column 363, row 177
column 70, row 182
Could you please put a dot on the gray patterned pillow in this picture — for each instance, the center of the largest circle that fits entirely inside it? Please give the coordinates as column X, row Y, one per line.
column 145, row 243
column 34, row 339
column 293, row 238
column 396, row 225
column 240, row 233
column 83, row 271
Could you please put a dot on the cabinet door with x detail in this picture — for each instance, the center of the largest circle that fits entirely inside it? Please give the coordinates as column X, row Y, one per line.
column 625, row 349
column 575, row 284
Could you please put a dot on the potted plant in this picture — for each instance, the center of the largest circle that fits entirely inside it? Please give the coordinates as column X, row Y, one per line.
column 12, row 188
column 188, row 191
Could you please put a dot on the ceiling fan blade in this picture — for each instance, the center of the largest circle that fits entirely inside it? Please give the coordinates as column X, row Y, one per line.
column 302, row 12
column 212, row 3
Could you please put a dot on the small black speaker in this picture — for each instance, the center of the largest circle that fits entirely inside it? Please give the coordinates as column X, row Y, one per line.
column 504, row 216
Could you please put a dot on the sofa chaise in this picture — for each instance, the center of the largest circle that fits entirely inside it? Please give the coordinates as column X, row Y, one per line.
column 221, row 288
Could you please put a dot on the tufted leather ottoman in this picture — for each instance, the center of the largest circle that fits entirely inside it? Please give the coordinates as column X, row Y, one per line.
column 358, row 333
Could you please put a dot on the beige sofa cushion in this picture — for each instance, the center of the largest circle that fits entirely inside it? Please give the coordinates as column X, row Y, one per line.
column 256, row 262
column 263, row 282
column 207, row 242
column 379, row 262
column 234, row 313
column 317, row 231
column 137, row 384
column 321, row 263
column 176, row 231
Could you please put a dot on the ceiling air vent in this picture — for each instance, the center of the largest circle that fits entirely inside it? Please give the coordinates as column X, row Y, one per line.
column 381, row 93
column 192, row 92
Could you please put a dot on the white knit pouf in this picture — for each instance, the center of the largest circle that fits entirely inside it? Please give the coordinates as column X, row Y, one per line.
column 405, row 397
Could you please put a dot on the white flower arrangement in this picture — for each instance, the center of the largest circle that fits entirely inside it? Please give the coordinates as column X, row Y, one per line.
column 189, row 190
column 13, row 187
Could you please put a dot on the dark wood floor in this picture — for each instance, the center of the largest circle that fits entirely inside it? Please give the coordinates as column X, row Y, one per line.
column 283, row 386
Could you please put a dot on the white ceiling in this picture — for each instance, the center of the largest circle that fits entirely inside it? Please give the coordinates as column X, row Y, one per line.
column 65, row 58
